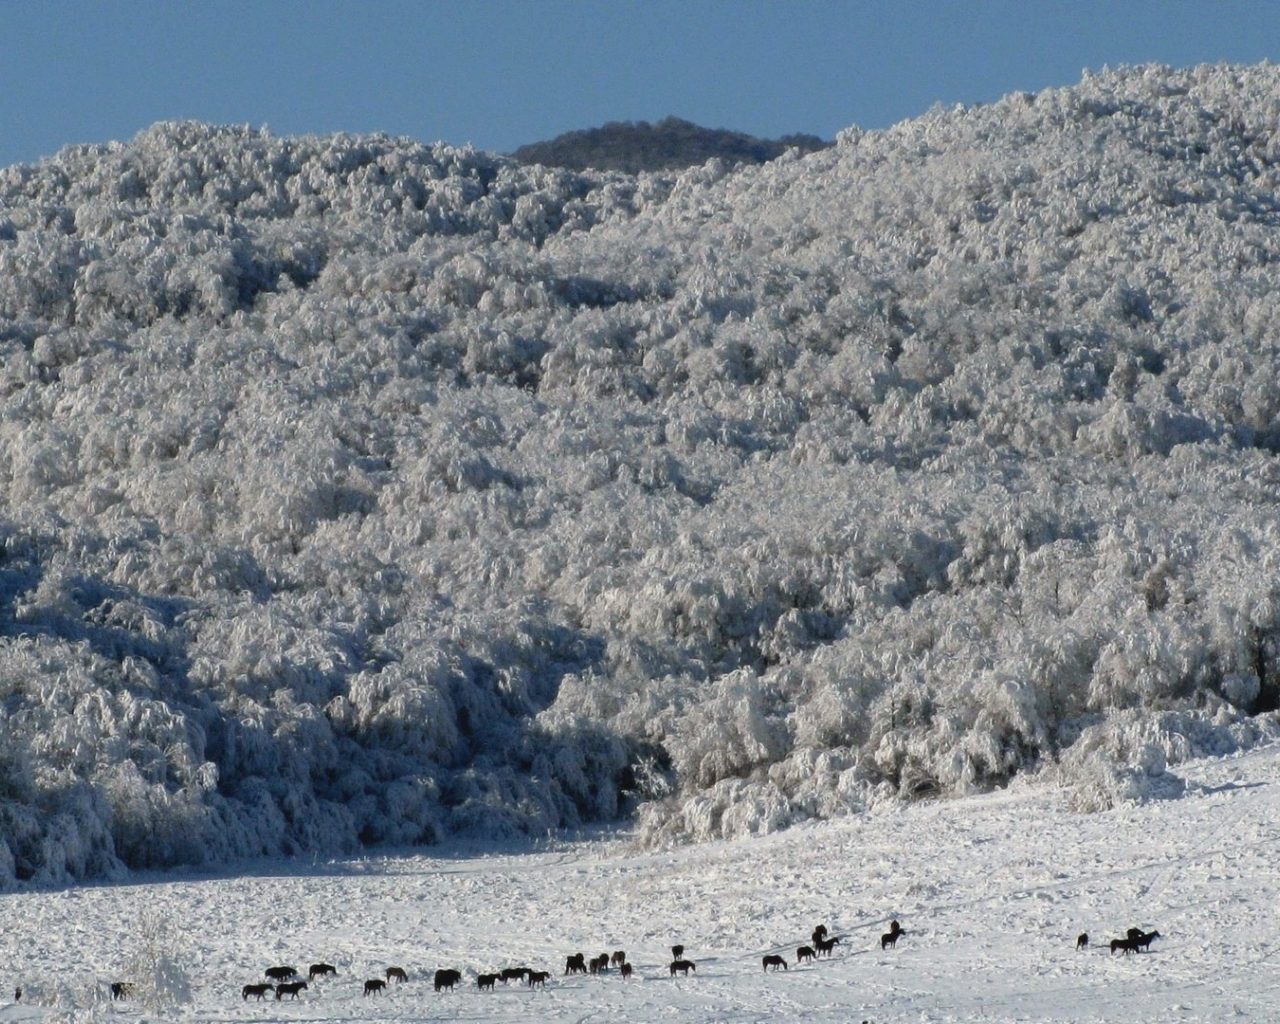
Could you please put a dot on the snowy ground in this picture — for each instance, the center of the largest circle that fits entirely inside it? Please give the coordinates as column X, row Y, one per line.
column 992, row 892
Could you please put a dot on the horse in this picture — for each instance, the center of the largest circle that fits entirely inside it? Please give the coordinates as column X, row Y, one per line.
column 624, row 969
column 677, row 952
column 1082, row 940
column 804, row 953
column 256, row 990
column 447, row 978
column 576, row 964
column 121, row 990
column 1126, row 944
column 289, row 988
column 396, row 974
column 889, row 940
column 774, row 961
column 538, row 978
column 819, row 934
column 618, row 959
column 1143, row 941
column 684, row 967
column 320, row 971
column 825, row 946
column 485, row 981
column 509, row 973
column 599, row 963
column 374, row 986
column 281, row 973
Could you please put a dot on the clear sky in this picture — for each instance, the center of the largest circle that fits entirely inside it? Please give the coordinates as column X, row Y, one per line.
column 500, row 73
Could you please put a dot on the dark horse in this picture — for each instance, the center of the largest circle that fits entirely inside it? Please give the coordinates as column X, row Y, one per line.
column 889, row 940
column 447, row 978
column 624, row 969
column 1082, row 940
column 1142, row 940
column 396, row 974
column 486, row 981
column 804, row 953
column 256, row 990
column 290, row 988
column 774, row 961
column 619, row 957
column 1126, row 944
column 538, row 978
column 281, row 973
column 576, row 964
column 321, row 971
column 373, row 986
column 121, row 989
column 684, row 967
column 825, row 946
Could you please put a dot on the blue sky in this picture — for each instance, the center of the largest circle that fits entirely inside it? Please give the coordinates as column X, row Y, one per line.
column 500, row 73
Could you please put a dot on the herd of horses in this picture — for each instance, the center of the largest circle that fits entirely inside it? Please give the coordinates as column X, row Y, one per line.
column 284, row 981
column 1135, row 941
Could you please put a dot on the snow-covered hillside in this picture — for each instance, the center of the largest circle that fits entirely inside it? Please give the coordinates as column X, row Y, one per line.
column 991, row 893
column 354, row 491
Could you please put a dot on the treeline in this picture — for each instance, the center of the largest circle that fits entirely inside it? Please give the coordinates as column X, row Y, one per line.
column 670, row 145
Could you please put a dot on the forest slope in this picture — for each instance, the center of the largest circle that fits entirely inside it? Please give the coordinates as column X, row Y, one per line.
column 355, row 491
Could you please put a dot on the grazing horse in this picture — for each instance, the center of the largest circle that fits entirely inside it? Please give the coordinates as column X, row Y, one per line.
column 576, row 964
column 281, row 973
column 825, row 946
column 256, row 990
column 774, row 961
column 321, row 971
column 599, row 963
column 396, row 974
column 684, row 967
column 289, row 988
column 677, row 952
column 624, row 969
column 516, row 973
column 618, row 959
column 447, row 978
column 121, row 990
column 1082, row 940
column 804, row 953
column 485, row 981
column 374, row 986
column 538, row 978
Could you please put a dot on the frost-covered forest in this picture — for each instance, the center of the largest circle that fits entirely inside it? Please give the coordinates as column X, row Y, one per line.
column 355, row 491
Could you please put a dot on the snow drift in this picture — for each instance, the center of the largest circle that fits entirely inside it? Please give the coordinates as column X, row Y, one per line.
column 359, row 492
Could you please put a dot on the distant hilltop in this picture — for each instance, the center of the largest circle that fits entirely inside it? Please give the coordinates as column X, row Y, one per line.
column 671, row 144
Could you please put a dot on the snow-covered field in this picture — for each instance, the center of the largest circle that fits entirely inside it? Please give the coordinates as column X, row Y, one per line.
column 992, row 892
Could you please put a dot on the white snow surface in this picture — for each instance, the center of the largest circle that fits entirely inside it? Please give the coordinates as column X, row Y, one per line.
column 991, row 892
